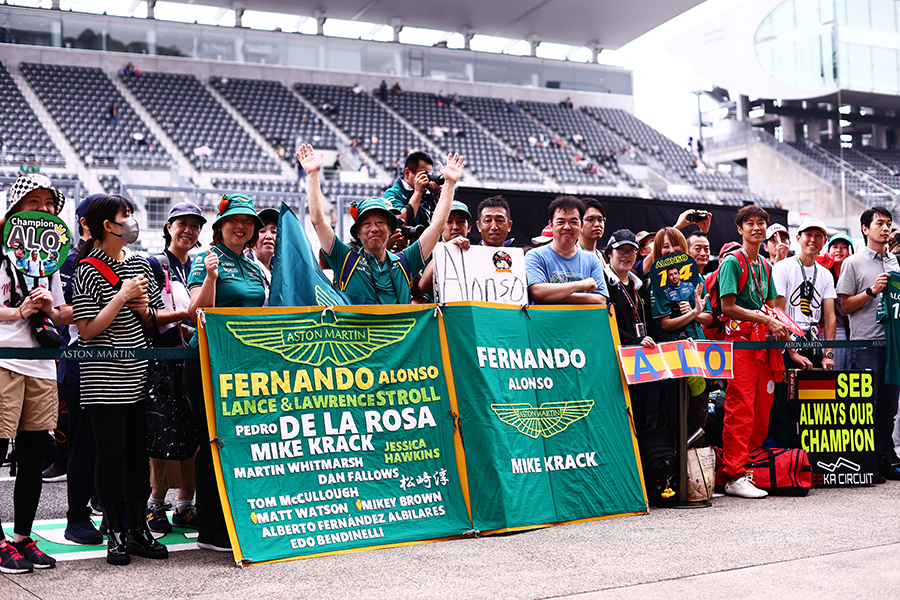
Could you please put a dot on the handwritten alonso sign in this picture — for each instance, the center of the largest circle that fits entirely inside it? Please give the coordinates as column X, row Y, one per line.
column 336, row 432
column 836, row 418
column 481, row 274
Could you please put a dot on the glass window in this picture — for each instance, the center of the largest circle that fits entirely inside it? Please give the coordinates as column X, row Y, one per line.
column 883, row 18
column 175, row 40
column 884, row 71
column 303, row 51
column 859, row 59
column 216, row 46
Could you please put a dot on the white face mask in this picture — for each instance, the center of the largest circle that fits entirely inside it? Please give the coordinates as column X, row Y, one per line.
column 130, row 230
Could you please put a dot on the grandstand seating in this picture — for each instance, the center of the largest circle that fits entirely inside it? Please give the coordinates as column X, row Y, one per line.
column 79, row 99
column 487, row 159
column 601, row 144
column 671, row 155
column 360, row 117
column 194, row 119
column 517, row 128
column 865, row 162
column 331, row 189
column 856, row 182
column 21, row 133
column 276, row 113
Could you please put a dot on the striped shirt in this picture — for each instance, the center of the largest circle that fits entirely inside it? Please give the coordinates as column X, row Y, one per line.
column 120, row 381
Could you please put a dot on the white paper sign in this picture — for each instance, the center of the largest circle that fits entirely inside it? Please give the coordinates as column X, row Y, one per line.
column 481, row 273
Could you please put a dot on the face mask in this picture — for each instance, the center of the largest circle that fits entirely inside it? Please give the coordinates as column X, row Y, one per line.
column 130, row 230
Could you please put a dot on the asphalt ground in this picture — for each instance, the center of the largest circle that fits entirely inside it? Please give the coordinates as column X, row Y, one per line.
column 834, row 543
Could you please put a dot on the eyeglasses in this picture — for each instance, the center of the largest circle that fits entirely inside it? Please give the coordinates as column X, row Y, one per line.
column 626, row 251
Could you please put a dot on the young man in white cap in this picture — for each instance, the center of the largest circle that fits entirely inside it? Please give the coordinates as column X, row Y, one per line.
column 806, row 293
column 376, row 275
column 778, row 242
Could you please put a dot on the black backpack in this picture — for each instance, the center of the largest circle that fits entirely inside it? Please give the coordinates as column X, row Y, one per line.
column 660, row 466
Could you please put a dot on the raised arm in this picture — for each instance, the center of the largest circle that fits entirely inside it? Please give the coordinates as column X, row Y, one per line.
column 451, row 172
column 312, row 164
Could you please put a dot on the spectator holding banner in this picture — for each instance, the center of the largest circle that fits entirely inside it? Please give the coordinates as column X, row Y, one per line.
column 748, row 397
column 863, row 277
column 560, row 273
column 29, row 398
column 220, row 277
column 455, row 232
column 376, row 275
column 628, row 294
column 494, row 221
column 806, row 294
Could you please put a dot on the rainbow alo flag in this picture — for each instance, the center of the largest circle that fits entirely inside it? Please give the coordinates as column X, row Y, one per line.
column 670, row 360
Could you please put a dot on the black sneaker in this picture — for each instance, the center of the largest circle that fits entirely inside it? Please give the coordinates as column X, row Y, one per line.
column 186, row 518
column 12, row 561
column 143, row 543
column 889, row 472
column 83, row 532
column 157, row 520
column 116, row 549
column 219, row 545
column 28, row 548
column 53, row 473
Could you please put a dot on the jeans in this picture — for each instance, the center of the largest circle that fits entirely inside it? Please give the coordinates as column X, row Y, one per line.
column 885, row 398
column 841, row 355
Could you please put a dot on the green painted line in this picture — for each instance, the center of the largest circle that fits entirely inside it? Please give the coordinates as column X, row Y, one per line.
column 50, row 537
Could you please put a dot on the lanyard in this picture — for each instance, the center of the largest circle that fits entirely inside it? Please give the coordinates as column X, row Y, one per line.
column 632, row 305
column 756, row 283
column 803, row 273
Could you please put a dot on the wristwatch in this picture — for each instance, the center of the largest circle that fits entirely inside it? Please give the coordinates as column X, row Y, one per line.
column 829, row 354
column 870, row 292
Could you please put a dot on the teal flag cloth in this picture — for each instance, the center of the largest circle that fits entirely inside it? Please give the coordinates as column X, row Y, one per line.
column 297, row 279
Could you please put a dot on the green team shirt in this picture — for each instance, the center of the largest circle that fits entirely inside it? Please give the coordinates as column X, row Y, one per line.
column 374, row 281
column 751, row 297
column 888, row 314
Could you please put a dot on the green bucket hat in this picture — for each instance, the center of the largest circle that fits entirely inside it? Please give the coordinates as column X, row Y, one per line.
column 841, row 237
column 358, row 209
column 237, row 204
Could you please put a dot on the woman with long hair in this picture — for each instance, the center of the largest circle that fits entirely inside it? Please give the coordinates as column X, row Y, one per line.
column 115, row 294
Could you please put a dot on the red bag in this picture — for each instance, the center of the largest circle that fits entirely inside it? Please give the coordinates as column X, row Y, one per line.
column 779, row 471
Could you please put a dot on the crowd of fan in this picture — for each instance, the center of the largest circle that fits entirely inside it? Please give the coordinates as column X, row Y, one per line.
column 830, row 292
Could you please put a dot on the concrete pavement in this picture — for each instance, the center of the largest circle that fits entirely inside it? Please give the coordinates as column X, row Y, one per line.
column 832, row 544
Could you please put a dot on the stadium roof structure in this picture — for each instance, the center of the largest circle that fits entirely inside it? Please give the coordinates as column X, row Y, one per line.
column 605, row 23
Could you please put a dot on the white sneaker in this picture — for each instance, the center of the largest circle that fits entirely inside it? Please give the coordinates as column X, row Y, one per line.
column 744, row 488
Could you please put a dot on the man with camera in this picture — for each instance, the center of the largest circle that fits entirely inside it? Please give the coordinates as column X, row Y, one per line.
column 414, row 194
column 375, row 275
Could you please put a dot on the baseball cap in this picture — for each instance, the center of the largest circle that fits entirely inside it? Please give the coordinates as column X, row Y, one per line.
column 267, row 215
column 728, row 248
column 621, row 237
column 84, row 205
column 461, row 207
column 189, row 209
column 545, row 237
column 642, row 235
column 773, row 229
column 813, row 223
column 841, row 237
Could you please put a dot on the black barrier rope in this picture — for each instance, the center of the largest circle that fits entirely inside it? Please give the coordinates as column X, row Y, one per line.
column 101, row 353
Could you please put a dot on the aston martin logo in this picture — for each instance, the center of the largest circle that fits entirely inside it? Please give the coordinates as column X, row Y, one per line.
column 546, row 421
column 309, row 342
column 325, row 298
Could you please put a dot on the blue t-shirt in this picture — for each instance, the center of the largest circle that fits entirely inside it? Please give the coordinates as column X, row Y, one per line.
column 544, row 265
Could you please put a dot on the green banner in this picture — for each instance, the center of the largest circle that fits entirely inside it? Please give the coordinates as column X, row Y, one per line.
column 336, row 430
column 543, row 416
